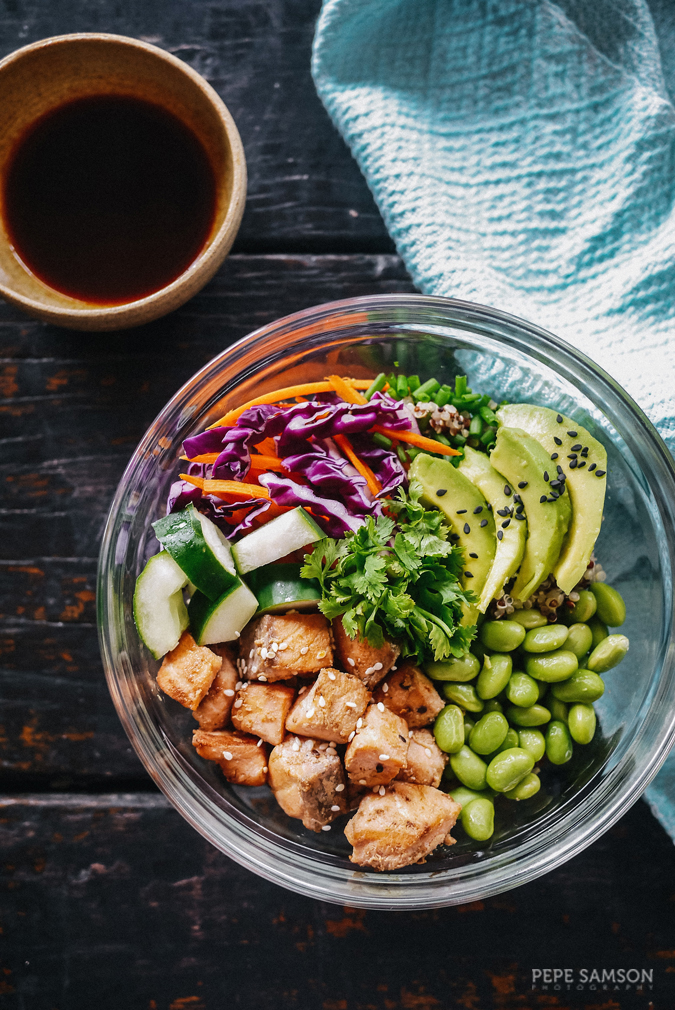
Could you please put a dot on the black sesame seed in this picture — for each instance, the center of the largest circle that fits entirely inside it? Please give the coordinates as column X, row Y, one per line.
column 559, row 468
column 559, row 419
column 558, row 441
column 441, row 491
column 584, row 451
column 469, row 575
column 573, row 463
column 489, row 507
column 577, row 447
column 523, row 483
column 518, row 499
column 546, row 476
column 467, row 528
column 556, row 483
column 554, row 455
column 454, row 536
column 582, row 462
column 473, row 555
column 505, row 523
column 542, row 499
column 554, row 495
column 502, row 512
column 519, row 508
column 572, row 434
column 500, row 535
column 572, row 455
column 552, row 499
column 592, row 467
column 507, row 491
column 460, row 512
column 483, row 522
column 477, row 510
column 600, row 473
column 519, row 515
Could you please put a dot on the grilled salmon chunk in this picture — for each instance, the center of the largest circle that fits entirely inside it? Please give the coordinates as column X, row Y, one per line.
column 378, row 751
column 410, row 694
column 276, row 646
column 213, row 712
column 262, row 709
column 241, row 757
column 426, row 760
column 187, row 672
column 308, row 781
column 357, row 656
column 331, row 708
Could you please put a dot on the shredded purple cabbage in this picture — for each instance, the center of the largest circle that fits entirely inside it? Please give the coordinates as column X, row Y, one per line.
column 325, row 469
column 333, row 518
column 384, row 463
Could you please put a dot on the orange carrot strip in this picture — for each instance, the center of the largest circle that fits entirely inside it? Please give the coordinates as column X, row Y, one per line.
column 227, row 488
column 267, row 447
column 345, row 390
column 206, row 457
column 266, row 463
column 418, row 440
column 278, row 395
column 373, row 483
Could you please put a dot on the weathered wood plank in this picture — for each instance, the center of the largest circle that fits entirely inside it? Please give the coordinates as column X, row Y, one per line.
column 114, row 901
column 305, row 191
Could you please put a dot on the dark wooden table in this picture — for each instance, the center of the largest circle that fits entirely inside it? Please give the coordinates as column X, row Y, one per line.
column 109, row 899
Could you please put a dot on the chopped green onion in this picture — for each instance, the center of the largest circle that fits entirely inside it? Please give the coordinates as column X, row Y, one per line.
column 476, row 426
column 458, row 441
column 413, row 383
column 488, row 436
column 488, row 415
column 460, row 385
column 382, row 441
column 429, row 387
column 400, row 452
column 376, row 385
column 442, row 439
column 413, row 451
column 442, row 396
column 402, row 386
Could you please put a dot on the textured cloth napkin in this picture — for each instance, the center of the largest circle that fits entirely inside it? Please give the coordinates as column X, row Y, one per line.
column 522, row 154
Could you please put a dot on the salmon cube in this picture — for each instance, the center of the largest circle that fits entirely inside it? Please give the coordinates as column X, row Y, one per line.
column 187, row 672
column 402, row 827
column 378, row 752
column 426, row 760
column 308, row 781
column 330, row 709
column 276, row 646
column 242, row 758
column 213, row 712
column 359, row 657
column 410, row 694
column 262, row 709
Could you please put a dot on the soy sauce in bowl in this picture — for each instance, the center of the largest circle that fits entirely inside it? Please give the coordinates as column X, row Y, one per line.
column 109, row 198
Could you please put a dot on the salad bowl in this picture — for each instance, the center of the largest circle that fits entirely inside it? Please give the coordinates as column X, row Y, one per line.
column 508, row 359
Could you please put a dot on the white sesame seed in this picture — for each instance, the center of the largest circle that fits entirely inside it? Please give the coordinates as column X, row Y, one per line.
column 265, row 769
column 227, row 755
column 335, row 807
column 331, row 675
column 304, row 650
column 351, row 736
column 244, row 685
column 310, row 712
column 259, row 743
column 331, row 751
column 302, row 690
column 377, row 666
column 381, row 790
column 229, row 693
column 362, row 782
column 351, row 661
column 339, row 788
column 263, row 653
column 320, row 655
column 325, row 827
column 261, row 677
column 371, row 669
column 251, row 654
column 275, row 646
column 427, row 751
column 385, row 688
column 350, row 704
column 282, row 646
column 322, row 746
column 359, row 723
column 380, row 705
column 394, row 668
column 410, row 732
column 322, row 701
column 296, row 744
column 384, row 757
column 332, row 744
column 238, row 703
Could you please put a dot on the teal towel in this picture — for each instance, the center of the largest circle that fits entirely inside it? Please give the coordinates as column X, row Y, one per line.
column 522, row 153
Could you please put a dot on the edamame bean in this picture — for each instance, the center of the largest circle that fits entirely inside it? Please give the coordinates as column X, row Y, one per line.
column 527, row 787
column 470, row 769
column 468, row 726
column 510, row 740
column 552, row 666
column 478, row 819
column 581, row 723
column 493, row 706
column 598, row 630
column 579, row 639
column 559, row 747
column 533, row 741
column 502, row 636
column 522, row 690
column 494, row 676
column 584, row 608
column 456, row 670
column 463, row 695
column 489, row 732
column 507, row 769
column 449, row 729
column 583, row 686
column 543, row 689
column 545, row 639
column 608, row 654
column 536, row 715
column 611, row 608
column 529, row 618
column 557, row 708
column 463, row 796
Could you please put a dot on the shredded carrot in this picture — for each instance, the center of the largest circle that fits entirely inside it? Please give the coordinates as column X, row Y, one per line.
column 343, row 389
column 288, row 393
column 267, row 447
column 373, row 483
column 228, row 489
column 429, row 444
column 206, row 457
column 266, row 463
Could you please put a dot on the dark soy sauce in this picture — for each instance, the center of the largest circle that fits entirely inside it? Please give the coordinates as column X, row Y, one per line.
column 108, row 198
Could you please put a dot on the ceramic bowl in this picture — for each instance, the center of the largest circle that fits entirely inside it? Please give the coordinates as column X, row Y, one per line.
column 45, row 75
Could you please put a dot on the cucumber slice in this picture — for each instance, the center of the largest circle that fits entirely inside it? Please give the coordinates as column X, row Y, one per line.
column 160, row 614
column 221, row 620
column 280, row 587
column 275, row 540
column 200, row 549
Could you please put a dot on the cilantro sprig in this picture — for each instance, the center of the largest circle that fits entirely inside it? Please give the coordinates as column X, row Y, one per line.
column 396, row 577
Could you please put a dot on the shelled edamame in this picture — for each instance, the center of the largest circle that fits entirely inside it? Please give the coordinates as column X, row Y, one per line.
column 524, row 697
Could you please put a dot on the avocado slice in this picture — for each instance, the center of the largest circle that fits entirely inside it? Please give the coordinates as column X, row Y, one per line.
column 586, row 481
column 511, row 544
column 526, row 465
column 469, row 518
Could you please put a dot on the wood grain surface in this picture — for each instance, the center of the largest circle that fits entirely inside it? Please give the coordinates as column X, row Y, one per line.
column 108, row 898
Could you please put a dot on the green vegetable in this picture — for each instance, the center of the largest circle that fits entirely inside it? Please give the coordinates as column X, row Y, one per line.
column 489, row 733
column 611, row 608
column 478, row 819
column 522, row 690
column 469, row 768
column 494, row 676
column 608, row 654
column 545, row 639
column 552, row 666
column 464, row 695
column 462, row 669
column 507, row 769
column 559, row 747
column 527, row 787
column 584, row 608
column 449, row 729
column 581, row 723
column 536, row 715
column 583, row 686
column 529, row 618
column 502, row 636
column 376, row 385
column 532, row 740
column 398, row 579
column 579, row 640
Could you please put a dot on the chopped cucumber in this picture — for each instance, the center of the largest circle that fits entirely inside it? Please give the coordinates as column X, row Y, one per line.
column 275, row 540
column 280, row 587
column 160, row 614
column 200, row 549
column 221, row 620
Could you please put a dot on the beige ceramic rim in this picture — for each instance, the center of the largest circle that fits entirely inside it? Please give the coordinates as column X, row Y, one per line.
column 69, row 312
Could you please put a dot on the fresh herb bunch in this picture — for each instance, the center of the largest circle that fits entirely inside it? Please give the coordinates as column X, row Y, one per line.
column 399, row 578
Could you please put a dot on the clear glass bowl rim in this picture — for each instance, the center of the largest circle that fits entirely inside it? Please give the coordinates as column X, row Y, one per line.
column 283, row 861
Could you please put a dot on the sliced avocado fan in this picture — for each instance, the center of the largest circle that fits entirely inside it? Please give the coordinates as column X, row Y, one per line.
column 508, row 511
column 529, row 470
column 584, row 462
column 469, row 518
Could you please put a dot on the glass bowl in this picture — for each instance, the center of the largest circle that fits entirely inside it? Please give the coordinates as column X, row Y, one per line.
column 507, row 358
